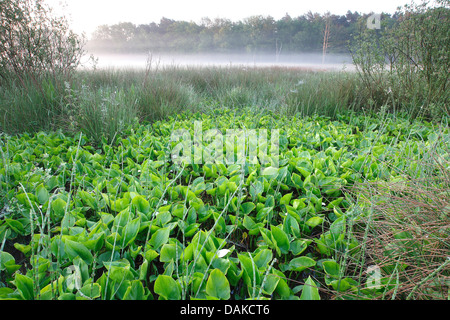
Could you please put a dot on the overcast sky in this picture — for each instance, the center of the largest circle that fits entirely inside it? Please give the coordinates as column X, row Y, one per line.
column 86, row 15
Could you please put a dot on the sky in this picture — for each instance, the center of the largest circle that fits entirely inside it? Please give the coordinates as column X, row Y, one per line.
column 87, row 15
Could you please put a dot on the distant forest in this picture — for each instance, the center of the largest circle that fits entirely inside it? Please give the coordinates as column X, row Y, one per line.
column 301, row 34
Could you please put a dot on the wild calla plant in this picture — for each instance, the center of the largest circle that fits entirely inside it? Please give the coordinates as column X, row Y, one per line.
column 122, row 220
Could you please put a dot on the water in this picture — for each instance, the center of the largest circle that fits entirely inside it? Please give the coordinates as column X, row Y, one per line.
column 306, row 61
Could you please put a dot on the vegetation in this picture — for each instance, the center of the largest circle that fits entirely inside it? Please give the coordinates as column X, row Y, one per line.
column 253, row 34
column 103, row 103
column 38, row 55
column 406, row 64
column 35, row 44
column 354, row 203
column 136, row 225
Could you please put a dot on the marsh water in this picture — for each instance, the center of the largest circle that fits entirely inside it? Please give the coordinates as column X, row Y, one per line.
column 305, row 61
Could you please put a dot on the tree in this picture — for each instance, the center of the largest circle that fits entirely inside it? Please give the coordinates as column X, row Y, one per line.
column 34, row 44
column 261, row 32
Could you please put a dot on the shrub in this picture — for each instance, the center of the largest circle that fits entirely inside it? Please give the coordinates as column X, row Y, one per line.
column 33, row 43
column 38, row 54
column 405, row 65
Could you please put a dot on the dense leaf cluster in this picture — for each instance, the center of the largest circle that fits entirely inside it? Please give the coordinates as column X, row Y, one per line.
column 124, row 221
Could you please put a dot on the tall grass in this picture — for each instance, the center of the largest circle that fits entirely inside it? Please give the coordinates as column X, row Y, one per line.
column 403, row 227
column 27, row 107
column 101, row 103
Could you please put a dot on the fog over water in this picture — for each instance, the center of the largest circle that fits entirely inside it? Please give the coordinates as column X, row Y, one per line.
column 307, row 61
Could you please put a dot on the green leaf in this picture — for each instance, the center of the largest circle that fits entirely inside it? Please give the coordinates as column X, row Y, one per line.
column 143, row 270
column 76, row 249
column 67, row 296
column 119, row 204
column 88, row 199
column 5, row 257
column 338, row 227
column 217, row 285
column 297, row 180
column 247, row 207
column 286, row 199
column 301, row 263
column 271, row 284
column 91, row 290
column 282, row 287
column 167, row 288
column 42, row 194
column 304, row 171
column 267, row 236
column 290, row 226
column 16, row 226
column 25, row 199
column 221, row 264
column 131, row 231
column 314, row 221
column 5, row 292
column 160, row 237
column 251, row 226
column 310, row 291
column 121, row 220
column 168, row 253
column 135, row 291
column 270, row 172
column 150, row 255
column 281, row 239
column 256, row 189
column 96, row 242
column 263, row 213
column 298, row 246
column 58, row 209
column 341, row 285
column 263, row 258
column 119, row 271
column 270, row 202
column 24, row 285
column 250, row 270
column 248, row 223
column 298, row 204
column 141, row 204
column 331, row 268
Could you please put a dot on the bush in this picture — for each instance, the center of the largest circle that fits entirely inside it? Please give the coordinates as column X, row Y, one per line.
column 34, row 44
column 38, row 55
column 405, row 65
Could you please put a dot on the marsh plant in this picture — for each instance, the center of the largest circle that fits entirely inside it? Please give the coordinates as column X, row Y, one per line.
column 122, row 220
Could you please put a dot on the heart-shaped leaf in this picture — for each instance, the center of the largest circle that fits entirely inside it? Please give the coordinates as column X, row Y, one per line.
column 217, row 285
column 141, row 204
column 76, row 249
column 301, row 263
column 310, row 290
column 160, row 237
column 167, row 288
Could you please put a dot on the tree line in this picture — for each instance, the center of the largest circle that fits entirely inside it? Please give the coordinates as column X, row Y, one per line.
column 304, row 33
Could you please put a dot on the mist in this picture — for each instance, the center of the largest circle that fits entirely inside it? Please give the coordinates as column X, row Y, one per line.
column 256, row 41
column 332, row 62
